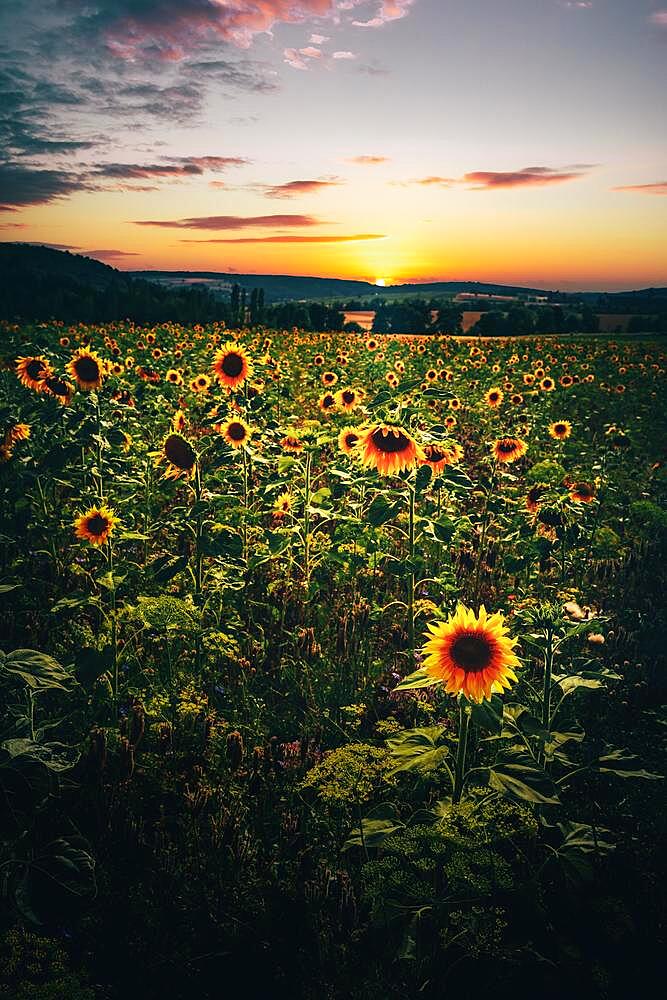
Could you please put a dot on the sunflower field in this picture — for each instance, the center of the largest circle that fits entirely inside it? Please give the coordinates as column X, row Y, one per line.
column 331, row 666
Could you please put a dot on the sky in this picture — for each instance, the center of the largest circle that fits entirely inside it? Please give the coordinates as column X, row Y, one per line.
column 514, row 141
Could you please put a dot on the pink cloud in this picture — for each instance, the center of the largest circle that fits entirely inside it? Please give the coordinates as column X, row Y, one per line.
column 659, row 188
column 369, row 161
column 344, row 55
column 286, row 238
column 169, row 31
column 484, row 180
column 294, row 188
column 659, row 18
column 232, row 222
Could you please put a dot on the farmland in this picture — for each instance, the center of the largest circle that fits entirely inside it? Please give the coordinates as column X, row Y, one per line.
column 333, row 665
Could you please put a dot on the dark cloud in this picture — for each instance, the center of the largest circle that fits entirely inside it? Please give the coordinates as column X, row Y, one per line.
column 109, row 256
column 286, row 238
column 171, row 167
column 21, row 186
column 232, row 222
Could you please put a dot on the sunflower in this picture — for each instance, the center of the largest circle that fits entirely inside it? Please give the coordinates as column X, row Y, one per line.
column 472, row 655
column 174, row 377
column 348, row 439
column 494, row 397
column 236, row 432
column 96, row 525
column 534, row 497
column 450, row 422
column 63, row 391
column 178, row 422
column 348, row 399
column 87, row 369
column 508, row 449
column 283, row 505
column 372, row 344
column 455, row 404
column 32, row 371
column 388, row 449
column 582, row 492
column 436, row 456
column 329, row 378
column 547, row 384
column 566, row 381
column 200, row 383
column 291, row 443
column 327, row 402
column 516, row 399
column 231, row 365
column 179, row 455
column 528, row 379
column 560, row 430
column 18, row 432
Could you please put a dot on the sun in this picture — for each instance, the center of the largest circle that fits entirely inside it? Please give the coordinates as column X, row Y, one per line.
column 380, row 282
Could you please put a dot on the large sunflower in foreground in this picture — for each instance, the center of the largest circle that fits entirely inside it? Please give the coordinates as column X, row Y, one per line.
column 509, row 449
column 231, row 365
column 471, row 655
column 87, row 369
column 32, row 372
column 96, row 525
column 180, row 456
column 236, row 432
column 388, row 449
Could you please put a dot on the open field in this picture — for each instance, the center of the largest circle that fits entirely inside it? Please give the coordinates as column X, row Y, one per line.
column 251, row 740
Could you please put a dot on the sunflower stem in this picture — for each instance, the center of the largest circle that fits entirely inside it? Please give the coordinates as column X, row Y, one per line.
column 459, row 772
column 306, row 523
column 546, row 691
column 411, row 584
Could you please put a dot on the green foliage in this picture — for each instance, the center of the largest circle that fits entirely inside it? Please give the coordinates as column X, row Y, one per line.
column 351, row 775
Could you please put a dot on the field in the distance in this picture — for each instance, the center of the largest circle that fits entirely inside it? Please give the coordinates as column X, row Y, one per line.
column 221, row 554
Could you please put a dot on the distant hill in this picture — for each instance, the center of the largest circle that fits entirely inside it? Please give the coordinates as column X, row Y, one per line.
column 288, row 287
column 38, row 283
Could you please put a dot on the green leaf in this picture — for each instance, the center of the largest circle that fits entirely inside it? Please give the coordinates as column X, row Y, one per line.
column 418, row 679
column 419, row 750
column 488, row 715
column 379, row 824
column 380, row 511
column 520, row 781
column 165, row 568
column 56, row 756
column 39, row 671
column 624, row 765
column 423, row 478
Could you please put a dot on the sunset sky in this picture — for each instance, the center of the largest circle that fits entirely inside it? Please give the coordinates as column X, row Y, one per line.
column 519, row 141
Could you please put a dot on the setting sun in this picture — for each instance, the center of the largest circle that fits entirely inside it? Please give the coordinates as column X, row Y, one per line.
column 380, row 282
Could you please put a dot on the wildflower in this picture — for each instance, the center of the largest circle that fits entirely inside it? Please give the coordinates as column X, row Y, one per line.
column 96, row 525
column 390, row 450
column 509, row 449
column 87, row 369
column 231, row 365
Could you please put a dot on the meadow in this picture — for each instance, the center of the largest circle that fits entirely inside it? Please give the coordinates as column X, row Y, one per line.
column 331, row 665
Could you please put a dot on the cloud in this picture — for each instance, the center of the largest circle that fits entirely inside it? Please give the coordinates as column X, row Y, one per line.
column 297, row 58
column 284, row 238
column 232, row 222
column 21, row 186
column 658, row 188
column 294, row 188
column 390, row 10
column 110, row 255
column 485, row 180
column 368, row 160
column 173, row 166
column 659, row 18
column 433, row 181
column 343, row 54
column 319, row 39
column 372, row 69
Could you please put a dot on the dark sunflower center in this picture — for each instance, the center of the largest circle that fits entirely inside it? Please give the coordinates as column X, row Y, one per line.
column 236, row 431
column 97, row 524
column 584, row 490
column 560, row 428
column 348, row 396
column 351, row 439
column 57, row 386
column 232, row 365
column 87, row 369
column 34, row 369
column 328, row 401
column 434, row 454
column 471, row 653
column 507, row 447
column 394, row 441
column 179, row 452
